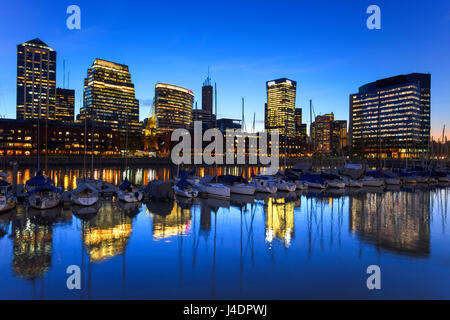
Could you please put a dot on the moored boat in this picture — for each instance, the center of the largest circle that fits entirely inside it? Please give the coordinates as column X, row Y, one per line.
column 128, row 192
column 7, row 200
column 84, row 195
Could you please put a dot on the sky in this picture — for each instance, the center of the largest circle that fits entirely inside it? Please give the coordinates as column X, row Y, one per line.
column 323, row 45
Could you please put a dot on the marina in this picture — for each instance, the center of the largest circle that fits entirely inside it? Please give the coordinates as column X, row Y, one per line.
column 307, row 243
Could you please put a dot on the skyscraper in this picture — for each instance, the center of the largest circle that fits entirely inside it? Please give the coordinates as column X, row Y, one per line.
column 36, row 80
column 207, row 96
column 65, row 105
column 300, row 128
column 109, row 97
column 173, row 107
column 391, row 117
column 280, row 107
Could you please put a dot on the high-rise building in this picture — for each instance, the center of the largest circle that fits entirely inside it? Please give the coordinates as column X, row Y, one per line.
column 300, row 128
column 109, row 97
column 173, row 107
column 391, row 117
column 65, row 105
column 36, row 80
column 280, row 106
column 328, row 135
column 207, row 96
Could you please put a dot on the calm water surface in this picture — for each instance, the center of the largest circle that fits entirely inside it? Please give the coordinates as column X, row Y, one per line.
column 291, row 246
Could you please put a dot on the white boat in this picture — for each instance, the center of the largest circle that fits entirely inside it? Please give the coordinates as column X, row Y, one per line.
column 103, row 187
column 369, row 181
column 314, row 182
column 7, row 199
column 352, row 183
column 84, row 195
column 185, row 189
column 44, row 197
column 265, row 185
column 237, row 184
column 217, row 190
column 283, row 185
column 128, row 192
column 243, row 188
column 444, row 179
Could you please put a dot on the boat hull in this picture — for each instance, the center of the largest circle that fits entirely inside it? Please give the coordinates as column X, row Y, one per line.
column 40, row 203
column 84, row 201
column 7, row 203
column 130, row 197
column 244, row 189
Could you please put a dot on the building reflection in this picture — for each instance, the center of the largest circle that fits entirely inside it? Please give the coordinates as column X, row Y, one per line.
column 106, row 234
column 32, row 234
column 279, row 220
column 170, row 218
column 395, row 221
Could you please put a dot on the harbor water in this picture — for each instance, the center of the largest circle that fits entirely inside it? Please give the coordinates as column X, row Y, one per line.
column 303, row 245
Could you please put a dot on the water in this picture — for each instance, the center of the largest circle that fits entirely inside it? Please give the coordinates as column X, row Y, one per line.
column 291, row 246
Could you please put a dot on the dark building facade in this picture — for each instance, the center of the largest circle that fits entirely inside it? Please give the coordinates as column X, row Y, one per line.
column 391, row 117
column 19, row 138
column 300, row 128
column 207, row 96
column 329, row 136
column 36, row 81
column 65, row 105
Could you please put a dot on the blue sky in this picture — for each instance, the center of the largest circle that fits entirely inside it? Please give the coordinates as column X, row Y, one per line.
column 324, row 45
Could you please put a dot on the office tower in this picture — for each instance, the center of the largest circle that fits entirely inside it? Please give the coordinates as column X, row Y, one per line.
column 300, row 128
column 391, row 117
column 36, row 80
column 328, row 135
column 65, row 105
column 173, row 107
column 109, row 97
column 280, row 107
column 207, row 96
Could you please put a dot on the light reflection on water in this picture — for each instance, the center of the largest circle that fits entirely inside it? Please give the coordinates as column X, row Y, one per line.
column 301, row 245
column 66, row 178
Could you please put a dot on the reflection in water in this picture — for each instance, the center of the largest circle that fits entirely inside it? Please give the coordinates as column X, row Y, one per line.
column 221, row 245
column 106, row 234
column 166, row 224
column 32, row 232
column 66, row 178
column 279, row 220
column 398, row 221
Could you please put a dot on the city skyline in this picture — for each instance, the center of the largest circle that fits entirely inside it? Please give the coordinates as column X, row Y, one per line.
column 328, row 65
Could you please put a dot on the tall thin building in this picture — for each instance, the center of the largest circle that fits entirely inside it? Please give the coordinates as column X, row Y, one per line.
column 173, row 107
column 109, row 97
column 207, row 96
column 36, row 80
column 65, row 105
column 391, row 117
column 280, row 107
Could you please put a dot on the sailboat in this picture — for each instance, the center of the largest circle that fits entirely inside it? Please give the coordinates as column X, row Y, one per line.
column 185, row 189
column 84, row 195
column 237, row 185
column 213, row 189
column 7, row 199
column 264, row 184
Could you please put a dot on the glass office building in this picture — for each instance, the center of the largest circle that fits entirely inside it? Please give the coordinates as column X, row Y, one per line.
column 65, row 105
column 280, row 107
column 391, row 117
column 109, row 97
column 173, row 107
column 36, row 81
